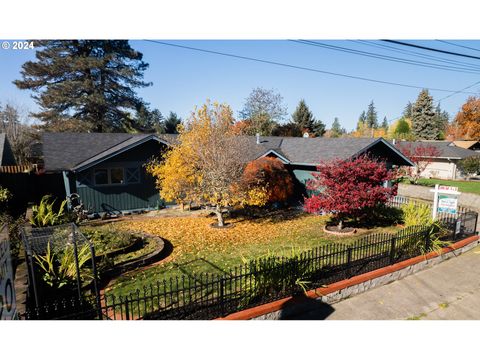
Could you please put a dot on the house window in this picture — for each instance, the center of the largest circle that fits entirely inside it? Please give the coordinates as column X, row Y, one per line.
column 132, row 175
column 116, row 176
column 101, row 177
column 111, row 176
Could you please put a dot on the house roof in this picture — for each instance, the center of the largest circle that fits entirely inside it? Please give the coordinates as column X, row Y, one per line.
column 466, row 144
column 69, row 151
column 6, row 154
column 78, row 151
column 446, row 149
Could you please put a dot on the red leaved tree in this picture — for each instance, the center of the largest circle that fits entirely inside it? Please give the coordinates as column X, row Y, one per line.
column 421, row 155
column 271, row 174
column 349, row 188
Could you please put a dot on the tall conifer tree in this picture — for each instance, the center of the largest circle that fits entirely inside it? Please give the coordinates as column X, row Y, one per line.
column 90, row 82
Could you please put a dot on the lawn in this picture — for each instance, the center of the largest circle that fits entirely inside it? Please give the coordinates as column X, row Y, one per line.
column 198, row 248
column 463, row 186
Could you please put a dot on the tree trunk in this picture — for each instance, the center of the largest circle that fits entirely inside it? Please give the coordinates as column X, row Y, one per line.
column 218, row 212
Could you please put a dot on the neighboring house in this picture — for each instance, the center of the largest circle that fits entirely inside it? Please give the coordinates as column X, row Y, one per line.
column 468, row 144
column 107, row 170
column 6, row 154
column 443, row 166
column 302, row 155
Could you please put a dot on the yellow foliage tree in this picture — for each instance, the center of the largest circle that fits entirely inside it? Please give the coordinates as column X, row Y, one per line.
column 174, row 177
column 207, row 163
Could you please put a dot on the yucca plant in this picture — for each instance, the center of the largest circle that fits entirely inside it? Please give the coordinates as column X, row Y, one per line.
column 44, row 214
column 59, row 267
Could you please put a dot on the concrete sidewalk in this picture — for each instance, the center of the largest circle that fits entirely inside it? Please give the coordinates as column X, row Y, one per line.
column 447, row 291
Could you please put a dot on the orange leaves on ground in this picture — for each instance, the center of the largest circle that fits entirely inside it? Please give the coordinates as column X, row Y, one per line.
column 193, row 234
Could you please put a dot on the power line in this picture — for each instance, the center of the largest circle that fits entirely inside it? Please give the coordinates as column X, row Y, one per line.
column 417, row 54
column 386, row 57
column 445, row 97
column 462, row 46
column 298, row 67
column 431, row 49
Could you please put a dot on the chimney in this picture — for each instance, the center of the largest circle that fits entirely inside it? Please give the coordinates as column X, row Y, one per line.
column 258, row 138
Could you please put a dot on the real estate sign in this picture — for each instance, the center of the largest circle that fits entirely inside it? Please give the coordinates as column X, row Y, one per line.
column 7, row 289
column 447, row 204
column 445, row 200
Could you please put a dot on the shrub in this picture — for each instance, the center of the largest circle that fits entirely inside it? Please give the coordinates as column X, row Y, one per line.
column 270, row 174
column 107, row 240
column 14, row 226
column 470, row 166
column 44, row 214
column 416, row 214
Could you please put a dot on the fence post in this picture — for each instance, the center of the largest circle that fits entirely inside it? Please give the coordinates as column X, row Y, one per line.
column 222, row 294
column 77, row 267
column 392, row 250
column 427, row 238
column 127, row 312
column 95, row 284
column 349, row 261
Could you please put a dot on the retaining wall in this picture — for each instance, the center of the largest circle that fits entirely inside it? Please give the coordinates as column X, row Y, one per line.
column 335, row 292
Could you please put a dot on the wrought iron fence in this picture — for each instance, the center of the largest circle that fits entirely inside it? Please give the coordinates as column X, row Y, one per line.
column 208, row 296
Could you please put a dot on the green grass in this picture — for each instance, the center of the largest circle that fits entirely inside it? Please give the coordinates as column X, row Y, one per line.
column 463, row 186
column 197, row 248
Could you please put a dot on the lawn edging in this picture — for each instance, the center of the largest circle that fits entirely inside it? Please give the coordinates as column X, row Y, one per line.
column 358, row 284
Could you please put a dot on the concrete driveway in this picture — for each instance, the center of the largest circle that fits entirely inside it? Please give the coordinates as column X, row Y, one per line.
column 450, row 290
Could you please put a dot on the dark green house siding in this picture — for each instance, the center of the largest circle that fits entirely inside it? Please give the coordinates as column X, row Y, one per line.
column 141, row 194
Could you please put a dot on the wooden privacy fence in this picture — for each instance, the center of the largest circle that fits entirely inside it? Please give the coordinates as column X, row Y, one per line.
column 17, row 169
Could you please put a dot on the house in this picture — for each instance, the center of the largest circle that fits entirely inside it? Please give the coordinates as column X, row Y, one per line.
column 106, row 169
column 302, row 155
column 6, row 154
column 445, row 164
column 468, row 144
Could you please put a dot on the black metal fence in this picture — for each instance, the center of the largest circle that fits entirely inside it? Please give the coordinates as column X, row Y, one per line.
column 209, row 296
column 61, row 262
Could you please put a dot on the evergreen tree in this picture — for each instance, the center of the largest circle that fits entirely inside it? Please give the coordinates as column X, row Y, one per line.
column 303, row 117
column 372, row 119
column 424, row 126
column 319, row 128
column 361, row 120
column 408, row 110
column 91, row 82
column 385, row 123
column 441, row 119
column 337, row 129
column 171, row 123
column 148, row 121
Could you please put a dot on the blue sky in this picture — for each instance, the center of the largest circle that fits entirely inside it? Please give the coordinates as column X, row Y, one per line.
column 184, row 78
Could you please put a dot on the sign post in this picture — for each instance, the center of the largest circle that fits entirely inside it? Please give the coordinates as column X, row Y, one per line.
column 445, row 200
column 7, row 287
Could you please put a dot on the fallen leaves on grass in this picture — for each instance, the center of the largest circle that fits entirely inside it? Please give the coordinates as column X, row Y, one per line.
column 190, row 235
